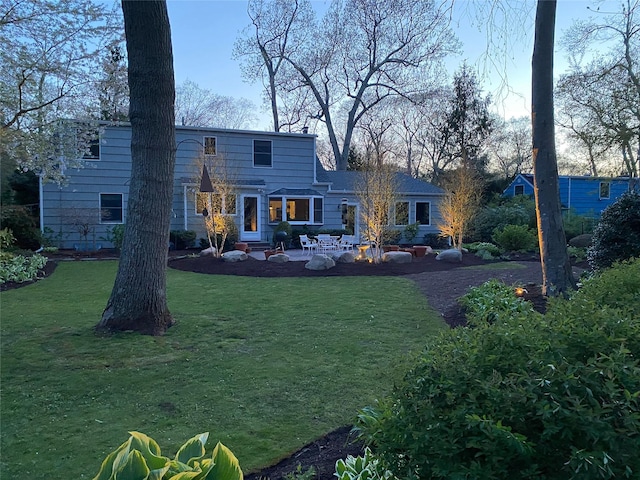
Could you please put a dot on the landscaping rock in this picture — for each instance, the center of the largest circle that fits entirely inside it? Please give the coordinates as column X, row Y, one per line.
column 453, row 255
column 278, row 258
column 320, row 262
column 209, row 251
column 581, row 241
column 397, row 257
column 343, row 257
column 234, row 256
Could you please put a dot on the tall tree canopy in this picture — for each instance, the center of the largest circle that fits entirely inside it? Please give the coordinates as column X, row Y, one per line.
column 48, row 64
column 359, row 54
column 138, row 300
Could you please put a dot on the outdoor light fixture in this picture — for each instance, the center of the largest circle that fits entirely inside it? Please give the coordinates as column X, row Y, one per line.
column 520, row 291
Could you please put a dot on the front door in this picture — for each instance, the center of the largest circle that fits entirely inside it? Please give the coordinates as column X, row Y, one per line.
column 250, row 231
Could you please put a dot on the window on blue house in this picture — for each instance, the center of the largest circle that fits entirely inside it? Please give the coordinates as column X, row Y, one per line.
column 209, row 145
column 423, row 213
column 402, row 213
column 605, row 190
column 297, row 210
column 518, row 190
column 262, row 153
column 110, row 208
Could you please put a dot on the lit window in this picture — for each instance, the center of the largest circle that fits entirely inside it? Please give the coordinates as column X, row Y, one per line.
column 110, row 208
column 423, row 213
column 297, row 210
column 605, row 190
column 402, row 213
column 210, row 145
column 262, row 153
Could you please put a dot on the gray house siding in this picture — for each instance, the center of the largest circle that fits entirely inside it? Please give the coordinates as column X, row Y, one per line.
column 294, row 174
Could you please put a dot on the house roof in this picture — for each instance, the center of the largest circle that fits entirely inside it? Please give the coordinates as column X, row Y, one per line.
column 296, row 191
column 346, row 181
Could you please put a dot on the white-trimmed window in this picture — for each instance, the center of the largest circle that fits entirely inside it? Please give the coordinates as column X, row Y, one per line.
column 111, row 208
column 91, row 144
column 262, row 153
column 423, row 213
column 401, row 214
column 297, row 210
column 226, row 205
column 605, row 190
column 210, row 145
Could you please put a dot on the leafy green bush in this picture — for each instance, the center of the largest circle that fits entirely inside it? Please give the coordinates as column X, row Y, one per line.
column 617, row 235
column 391, row 236
column 22, row 224
column 139, row 458
column 551, row 397
column 6, row 239
column 575, row 224
column 435, row 241
column 519, row 210
column 484, row 250
column 492, row 302
column 20, row 268
column 182, row 239
column 515, row 238
column 115, row 235
column 367, row 467
column 410, row 231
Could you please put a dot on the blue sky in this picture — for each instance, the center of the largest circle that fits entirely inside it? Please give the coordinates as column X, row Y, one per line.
column 204, row 31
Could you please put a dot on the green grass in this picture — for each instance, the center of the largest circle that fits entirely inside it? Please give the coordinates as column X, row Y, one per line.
column 265, row 364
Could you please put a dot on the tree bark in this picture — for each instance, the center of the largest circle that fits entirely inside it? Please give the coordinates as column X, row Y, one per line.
column 138, row 300
column 557, row 277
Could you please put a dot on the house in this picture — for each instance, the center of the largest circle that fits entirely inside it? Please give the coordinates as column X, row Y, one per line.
column 276, row 177
column 586, row 196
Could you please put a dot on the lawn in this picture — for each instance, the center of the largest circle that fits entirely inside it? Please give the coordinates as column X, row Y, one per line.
column 265, row 364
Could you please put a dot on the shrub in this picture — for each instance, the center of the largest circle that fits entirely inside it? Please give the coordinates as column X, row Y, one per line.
column 551, row 397
column 20, row 268
column 22, row 224
column 6, row 239
column 575, row 224
column 517, row 211
column 515, row 238
column 435, row 241
column 391, row 236
column 182, row 239
column 140, row 458
column 411, row 230
column 115, row 235
column 484, row 250
column 617, row 235
column 492, row 302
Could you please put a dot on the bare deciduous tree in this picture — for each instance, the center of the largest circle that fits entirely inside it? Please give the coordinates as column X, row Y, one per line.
column 464, row 192
column 362, row 53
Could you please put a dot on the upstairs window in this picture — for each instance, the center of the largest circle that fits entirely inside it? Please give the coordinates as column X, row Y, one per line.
column 605, row 190
column 90, row 142
column 518, row 190
column 209, row 145
column 110, row 208
column 262, row 153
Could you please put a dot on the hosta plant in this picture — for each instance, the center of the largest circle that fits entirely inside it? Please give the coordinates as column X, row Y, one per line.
column 139, row 458
column 19, row 268
column 367, row 467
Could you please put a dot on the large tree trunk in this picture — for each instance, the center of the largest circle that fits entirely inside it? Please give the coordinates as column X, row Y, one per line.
column 556, row 267
column 138, row 301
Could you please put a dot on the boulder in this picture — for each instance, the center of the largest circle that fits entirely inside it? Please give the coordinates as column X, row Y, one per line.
column 581, row 241
column 343, row 257
column 397, row 257
column 320, row 262
column 208, row 251
column 278, row 258
column 234, row 256
column 453, row 255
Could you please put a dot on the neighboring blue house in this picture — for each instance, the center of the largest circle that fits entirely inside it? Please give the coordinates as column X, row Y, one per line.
column 587, row 196
column 276, row 175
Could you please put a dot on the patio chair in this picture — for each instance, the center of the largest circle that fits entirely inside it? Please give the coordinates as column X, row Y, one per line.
column 308, row 244
column 326, row 243
column 346, row 243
